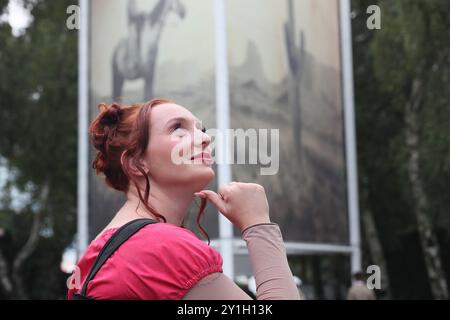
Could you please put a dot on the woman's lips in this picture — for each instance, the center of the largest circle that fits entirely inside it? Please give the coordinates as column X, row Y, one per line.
column 205, row 156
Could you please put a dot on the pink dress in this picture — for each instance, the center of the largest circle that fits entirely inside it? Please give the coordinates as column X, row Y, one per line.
column 159, row 262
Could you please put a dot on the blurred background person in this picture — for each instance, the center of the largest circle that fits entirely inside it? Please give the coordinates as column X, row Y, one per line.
column 359, row 290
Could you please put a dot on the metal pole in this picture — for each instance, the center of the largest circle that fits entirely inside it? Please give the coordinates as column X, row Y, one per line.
column 223, row 123
column 83, row 139
column 350, row 137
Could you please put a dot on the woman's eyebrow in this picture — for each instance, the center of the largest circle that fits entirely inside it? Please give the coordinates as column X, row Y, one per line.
column 182, row 119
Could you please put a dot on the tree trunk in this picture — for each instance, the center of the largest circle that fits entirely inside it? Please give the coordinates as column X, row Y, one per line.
column 373, row 241
column 23, row 254
column 428, row 240
column 29, row 247
column 5, row 281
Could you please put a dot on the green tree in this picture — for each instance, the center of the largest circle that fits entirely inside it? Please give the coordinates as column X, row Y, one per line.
column 38, row 141
column 401, row 81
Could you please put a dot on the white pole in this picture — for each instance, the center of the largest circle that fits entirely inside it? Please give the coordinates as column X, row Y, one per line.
column 83, row 139
column 350, row 138
column 223, row 123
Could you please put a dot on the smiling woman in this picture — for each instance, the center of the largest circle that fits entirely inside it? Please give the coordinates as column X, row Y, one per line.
column 135, row 148
column 135, row 151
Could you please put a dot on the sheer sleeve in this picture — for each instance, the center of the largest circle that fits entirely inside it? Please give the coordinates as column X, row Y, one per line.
column 274, row 279
column 216, row 286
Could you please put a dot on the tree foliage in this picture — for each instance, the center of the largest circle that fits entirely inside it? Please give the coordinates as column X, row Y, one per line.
column 412, row 43
column 38, row 140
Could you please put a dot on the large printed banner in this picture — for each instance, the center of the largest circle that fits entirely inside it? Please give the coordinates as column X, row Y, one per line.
column 284, row 73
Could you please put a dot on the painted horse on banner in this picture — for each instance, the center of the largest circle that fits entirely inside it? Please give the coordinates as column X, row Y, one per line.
column 135, row 56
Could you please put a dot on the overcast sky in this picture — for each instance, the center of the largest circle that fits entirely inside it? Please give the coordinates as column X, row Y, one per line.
column 17, row 16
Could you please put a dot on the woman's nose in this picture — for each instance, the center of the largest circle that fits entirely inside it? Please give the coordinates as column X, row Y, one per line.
column 201, row 138
column 206, row 140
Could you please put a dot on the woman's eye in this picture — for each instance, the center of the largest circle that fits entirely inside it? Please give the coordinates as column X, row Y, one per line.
column 176, row 126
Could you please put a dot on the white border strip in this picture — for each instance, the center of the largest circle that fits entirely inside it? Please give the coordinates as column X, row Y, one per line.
column 83, row 139
column 223, row 123
column 350, row 138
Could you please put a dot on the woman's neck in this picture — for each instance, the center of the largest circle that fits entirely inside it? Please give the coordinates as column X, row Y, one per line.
column 172, row 203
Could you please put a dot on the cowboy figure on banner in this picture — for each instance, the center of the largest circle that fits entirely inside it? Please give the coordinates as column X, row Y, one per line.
column 135, row 56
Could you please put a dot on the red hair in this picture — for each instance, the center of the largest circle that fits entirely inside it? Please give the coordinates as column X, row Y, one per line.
column 124, row 130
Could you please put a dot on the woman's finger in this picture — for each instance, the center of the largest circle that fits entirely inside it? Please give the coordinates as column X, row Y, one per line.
column 215, row 198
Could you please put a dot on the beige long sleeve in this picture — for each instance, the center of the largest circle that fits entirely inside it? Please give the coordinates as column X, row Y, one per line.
column 274, row 279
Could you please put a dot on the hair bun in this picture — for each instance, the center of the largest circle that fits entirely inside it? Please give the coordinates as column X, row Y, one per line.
column 111, row 115
column 102, row 131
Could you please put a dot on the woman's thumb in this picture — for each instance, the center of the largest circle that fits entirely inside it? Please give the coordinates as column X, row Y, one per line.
column 215, row 198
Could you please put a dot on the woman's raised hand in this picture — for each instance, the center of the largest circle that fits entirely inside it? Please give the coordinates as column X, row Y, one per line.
column 244, row 204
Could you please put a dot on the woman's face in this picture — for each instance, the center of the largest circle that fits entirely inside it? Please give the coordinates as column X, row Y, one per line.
column 176, row 136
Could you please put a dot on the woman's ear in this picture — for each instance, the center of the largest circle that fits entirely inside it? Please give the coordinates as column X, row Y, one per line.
column 125, row 159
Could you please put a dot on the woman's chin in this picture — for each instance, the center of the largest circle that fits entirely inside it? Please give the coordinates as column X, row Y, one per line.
column 204, row 173
column 201, row 172
column 208, row 172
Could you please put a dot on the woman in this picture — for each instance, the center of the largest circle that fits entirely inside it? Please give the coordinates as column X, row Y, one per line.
column 164, row 260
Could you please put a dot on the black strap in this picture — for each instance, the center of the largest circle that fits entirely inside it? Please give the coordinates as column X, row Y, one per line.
column 114, row 242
